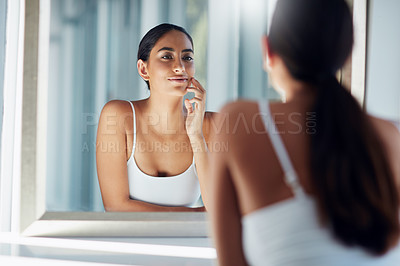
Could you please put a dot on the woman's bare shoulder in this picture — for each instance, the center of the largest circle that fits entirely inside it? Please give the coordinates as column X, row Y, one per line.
column 114, row 114
column 390, row 137
column 230, row 113
column 387, row 130
column 115, row 107
column 122, row 107
column 239, row 107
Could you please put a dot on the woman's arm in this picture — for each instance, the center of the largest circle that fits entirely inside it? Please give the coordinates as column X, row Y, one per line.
column 194, row 129
column 223, row 203
column 111, row 163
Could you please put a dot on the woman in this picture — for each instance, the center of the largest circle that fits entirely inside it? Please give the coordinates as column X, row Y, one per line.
column 313, row 180
column 152, row 154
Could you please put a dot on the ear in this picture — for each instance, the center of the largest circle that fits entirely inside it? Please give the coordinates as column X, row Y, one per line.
column 142, row 69
column 268, row 55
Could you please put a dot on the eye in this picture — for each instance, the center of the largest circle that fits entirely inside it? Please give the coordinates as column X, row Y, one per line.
column 188, row 58
column 166, row 56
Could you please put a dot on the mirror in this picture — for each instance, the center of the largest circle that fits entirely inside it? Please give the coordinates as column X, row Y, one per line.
column 81, row 54
column 92, row 60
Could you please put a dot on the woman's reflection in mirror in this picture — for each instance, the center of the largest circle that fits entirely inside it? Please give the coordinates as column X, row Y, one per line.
column 159, row 158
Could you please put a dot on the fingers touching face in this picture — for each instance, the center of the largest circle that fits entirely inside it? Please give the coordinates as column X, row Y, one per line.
column 196, row 88
column 199, row 94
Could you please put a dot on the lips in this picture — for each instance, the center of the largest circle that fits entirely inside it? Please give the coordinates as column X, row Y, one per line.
column 179, row 79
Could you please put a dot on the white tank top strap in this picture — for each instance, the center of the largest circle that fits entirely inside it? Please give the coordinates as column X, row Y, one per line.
column 291, row 177
column 134, row 128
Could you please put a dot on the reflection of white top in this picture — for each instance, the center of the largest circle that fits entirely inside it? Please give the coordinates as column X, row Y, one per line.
column 179, row 190
column 288, row 232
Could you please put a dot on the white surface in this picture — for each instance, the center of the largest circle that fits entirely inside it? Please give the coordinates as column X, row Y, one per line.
column 12, row 112
column 125, row 251
column 12, row 260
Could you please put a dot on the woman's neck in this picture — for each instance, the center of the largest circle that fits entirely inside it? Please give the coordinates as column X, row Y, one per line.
column 165, row 114
column 299, row 92
column 293, row 90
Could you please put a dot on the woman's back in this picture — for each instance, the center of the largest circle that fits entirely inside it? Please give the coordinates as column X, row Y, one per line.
column 256, row 170
column 252, row 153
column 279, row 227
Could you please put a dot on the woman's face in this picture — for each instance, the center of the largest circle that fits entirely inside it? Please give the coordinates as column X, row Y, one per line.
column 171, row 64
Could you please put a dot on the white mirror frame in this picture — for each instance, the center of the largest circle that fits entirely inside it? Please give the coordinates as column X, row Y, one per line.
column 34, row 220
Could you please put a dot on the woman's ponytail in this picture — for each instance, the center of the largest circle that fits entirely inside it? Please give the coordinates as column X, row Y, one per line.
column 353, row 184
column 351, row 177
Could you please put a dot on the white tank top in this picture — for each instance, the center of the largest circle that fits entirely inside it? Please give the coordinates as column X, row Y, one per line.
column 288, row 232
column 179, row 190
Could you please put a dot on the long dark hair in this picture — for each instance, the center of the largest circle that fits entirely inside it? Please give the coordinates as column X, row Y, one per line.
column 351, row 178
column 152, row 36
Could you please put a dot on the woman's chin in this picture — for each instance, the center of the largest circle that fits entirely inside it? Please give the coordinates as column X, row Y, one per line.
column 180, row 90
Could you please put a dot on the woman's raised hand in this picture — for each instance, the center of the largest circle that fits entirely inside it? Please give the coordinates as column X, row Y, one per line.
column 195, row 116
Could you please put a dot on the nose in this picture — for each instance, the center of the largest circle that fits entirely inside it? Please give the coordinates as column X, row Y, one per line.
column 179, row 66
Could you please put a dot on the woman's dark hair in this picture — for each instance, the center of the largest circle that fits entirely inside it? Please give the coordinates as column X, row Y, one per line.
column 351, row 177
column 152, row 36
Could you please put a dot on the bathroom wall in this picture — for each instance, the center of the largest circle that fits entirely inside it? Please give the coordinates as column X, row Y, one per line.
column 383, row 59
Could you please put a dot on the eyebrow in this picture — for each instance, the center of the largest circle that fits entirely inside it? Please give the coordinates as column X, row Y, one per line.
column 172, row 50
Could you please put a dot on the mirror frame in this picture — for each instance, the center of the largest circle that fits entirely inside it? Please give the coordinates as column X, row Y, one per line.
column 34, row 220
